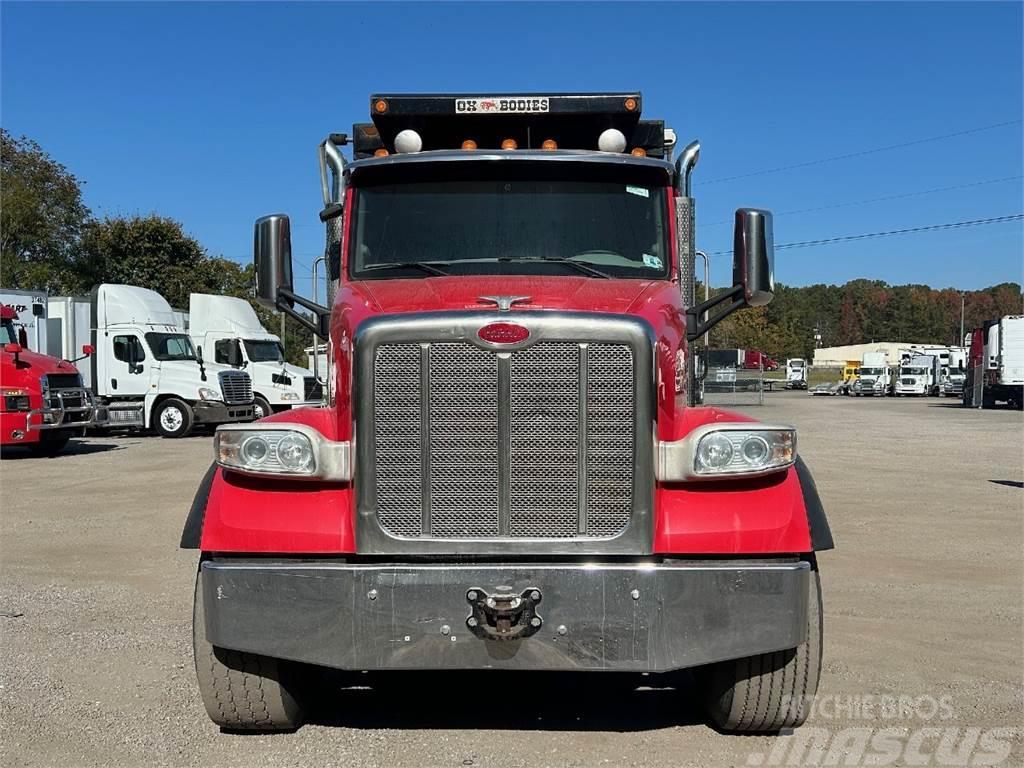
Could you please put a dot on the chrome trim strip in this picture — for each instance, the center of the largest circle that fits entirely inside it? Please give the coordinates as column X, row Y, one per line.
column 425, row 439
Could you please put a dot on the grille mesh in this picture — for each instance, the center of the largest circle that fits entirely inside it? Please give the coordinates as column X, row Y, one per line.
column 551, row 427
column 236, row 386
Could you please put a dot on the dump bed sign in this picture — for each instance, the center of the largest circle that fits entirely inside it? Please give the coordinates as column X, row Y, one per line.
column 502, row 105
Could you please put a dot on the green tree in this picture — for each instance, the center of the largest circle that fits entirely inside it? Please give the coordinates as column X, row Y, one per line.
column 41, row 219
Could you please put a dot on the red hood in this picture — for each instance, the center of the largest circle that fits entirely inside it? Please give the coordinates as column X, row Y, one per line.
column 453, row 293
column 31, row 366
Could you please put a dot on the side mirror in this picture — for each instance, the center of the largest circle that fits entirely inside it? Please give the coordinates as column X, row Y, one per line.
column 753, row 259
column 272, row 258
column 88, row 349
column 199, row 355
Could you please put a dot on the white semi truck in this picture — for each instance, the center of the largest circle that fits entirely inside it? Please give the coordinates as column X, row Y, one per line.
column 796, row 373
column 145, row 372
column 228, row 331
column 873, row 376
column 919, row 375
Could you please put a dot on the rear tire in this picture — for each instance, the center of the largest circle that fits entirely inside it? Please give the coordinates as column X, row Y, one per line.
column 173, row 418
column 241, row 691
column 769, row 691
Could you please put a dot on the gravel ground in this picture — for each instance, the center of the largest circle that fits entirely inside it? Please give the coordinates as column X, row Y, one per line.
column 923, row 601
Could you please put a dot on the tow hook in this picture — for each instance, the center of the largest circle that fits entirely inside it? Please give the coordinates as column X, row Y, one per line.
column 503, row 616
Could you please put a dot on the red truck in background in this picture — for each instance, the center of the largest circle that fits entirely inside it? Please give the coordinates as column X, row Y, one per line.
column 44, row 401
column 756, row 360
column 510, row 472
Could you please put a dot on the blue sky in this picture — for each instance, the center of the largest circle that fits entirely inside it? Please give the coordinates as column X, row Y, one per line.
column 211, row 113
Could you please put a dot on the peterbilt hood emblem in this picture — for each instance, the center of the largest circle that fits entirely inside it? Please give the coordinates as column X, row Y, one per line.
column 503, row 333
column 504, row 302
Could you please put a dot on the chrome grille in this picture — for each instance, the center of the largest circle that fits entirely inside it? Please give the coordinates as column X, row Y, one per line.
column 536, row 443
column 236, row 386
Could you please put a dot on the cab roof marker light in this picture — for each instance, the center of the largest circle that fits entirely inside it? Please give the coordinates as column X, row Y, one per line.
column 611, row 140
column 469, row 144
column 408, row 142
column 509, row 144
column 549, row 144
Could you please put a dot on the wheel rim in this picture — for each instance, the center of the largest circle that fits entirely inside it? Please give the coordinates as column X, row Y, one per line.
column 257, row 410
column 171, row 418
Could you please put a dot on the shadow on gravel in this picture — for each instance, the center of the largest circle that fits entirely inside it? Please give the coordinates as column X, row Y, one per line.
column 74, row 448
column 497, row 702
column 1009, row 483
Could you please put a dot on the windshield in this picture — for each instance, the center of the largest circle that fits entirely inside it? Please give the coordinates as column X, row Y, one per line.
column 264, row 351
column 796, row 364
column 914, row 371
column 171, row 346
column 870, row 371
column 517, row 224
column 8, row 335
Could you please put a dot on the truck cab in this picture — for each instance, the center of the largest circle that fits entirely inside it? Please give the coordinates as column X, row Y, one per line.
column 148, row 374
column 510, row 472
column 229, row 332
column 873, row 376
column 44, row 400
column 796, row 373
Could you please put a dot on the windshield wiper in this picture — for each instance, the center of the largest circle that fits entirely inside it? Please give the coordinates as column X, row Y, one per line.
column 579, row 266
column 424, row 266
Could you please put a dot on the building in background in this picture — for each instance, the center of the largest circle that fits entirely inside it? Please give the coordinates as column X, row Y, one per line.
column 836, row 357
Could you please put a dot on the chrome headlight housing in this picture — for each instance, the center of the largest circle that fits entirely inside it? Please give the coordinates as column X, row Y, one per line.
column 287, row 450
column 716, row 451
column 209, row 393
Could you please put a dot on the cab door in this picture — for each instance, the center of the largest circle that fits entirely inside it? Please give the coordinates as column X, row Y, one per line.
column 127, row 373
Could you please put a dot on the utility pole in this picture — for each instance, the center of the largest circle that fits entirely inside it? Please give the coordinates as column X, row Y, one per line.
column 960, row 341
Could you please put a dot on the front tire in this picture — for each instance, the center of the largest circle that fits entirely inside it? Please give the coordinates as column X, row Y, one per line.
column 241, row 691
column 769, row 691
column 173, row 418
column 260, row 408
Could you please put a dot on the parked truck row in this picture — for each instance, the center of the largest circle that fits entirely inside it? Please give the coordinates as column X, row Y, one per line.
column 143, row 365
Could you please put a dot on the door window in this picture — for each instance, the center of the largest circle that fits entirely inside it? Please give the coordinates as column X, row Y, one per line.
column 122, row 349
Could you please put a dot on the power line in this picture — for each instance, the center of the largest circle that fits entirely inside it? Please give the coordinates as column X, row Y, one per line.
column 863, row 152
column 882, row 199
column 892, row 232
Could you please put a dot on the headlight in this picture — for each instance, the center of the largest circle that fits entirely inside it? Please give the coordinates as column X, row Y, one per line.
column 284, row 450
column 290, row 396
column 726, row 450
column 206, row 393
column 15, row 400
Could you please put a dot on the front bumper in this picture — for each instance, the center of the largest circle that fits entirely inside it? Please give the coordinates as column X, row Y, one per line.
column 650, row 617
column 63, row 409
column 216, row 412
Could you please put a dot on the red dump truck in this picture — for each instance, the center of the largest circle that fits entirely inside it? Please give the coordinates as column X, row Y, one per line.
column 510, row 473
column 44, row 401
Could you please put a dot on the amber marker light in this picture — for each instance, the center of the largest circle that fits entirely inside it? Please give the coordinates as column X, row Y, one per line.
column 549, row 144
column 380, row 153
column 638, row 152
column 629, row 104
column 380, row 106
column 509, row 144
column 469, row 144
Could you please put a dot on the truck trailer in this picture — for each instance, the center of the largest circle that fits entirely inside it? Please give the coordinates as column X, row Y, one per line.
column 146, row 373
column 510, row 473
column 227, row 330
column 996, row 364
column 43, row 400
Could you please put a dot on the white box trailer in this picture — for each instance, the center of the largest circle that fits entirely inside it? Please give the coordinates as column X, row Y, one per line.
column 1004, row 361
column 30, row 307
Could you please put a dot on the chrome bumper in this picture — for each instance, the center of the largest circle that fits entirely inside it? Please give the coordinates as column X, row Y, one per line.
column 629, row 617
column 54, row 416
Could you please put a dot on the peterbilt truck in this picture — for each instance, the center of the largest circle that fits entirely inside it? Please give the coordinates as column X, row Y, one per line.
column 43, row 400
column 510, row 473
column 228, row 331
